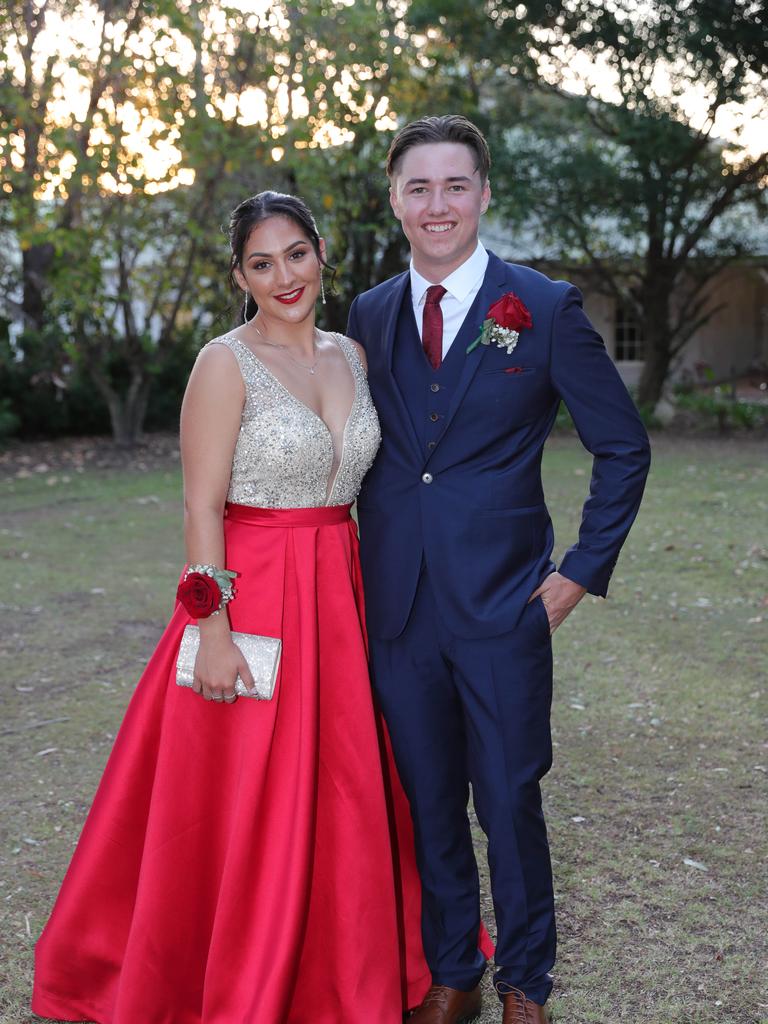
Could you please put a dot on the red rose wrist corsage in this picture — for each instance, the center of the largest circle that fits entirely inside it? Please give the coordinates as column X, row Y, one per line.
column 205, row 589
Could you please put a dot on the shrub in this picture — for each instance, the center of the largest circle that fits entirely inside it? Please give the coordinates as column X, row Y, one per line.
column 721, row 412
column 9, row 421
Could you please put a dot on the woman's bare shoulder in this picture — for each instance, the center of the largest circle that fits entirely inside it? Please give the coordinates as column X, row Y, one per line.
column 359, row 350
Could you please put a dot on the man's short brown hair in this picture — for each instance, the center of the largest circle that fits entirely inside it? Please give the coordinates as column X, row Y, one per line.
column 446, row 128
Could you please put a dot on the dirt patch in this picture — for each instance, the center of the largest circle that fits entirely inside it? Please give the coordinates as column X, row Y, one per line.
column 25, row 459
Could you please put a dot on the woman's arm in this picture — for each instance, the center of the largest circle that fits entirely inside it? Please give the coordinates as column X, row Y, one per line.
column 210, row 423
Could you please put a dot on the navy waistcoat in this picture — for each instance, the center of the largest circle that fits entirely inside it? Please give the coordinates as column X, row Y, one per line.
column 427, row 392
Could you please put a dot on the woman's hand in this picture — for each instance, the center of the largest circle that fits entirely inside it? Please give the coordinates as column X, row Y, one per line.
column 218, row 664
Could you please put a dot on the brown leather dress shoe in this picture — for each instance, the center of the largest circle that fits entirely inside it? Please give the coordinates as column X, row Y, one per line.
column 443, row 1005
column 518, row 1009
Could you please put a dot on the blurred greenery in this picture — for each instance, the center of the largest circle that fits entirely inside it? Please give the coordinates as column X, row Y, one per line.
column 636, row 188
column 721, row 412
column 113, row 263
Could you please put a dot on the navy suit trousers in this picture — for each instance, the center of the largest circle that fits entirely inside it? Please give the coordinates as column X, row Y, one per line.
column 475, row 712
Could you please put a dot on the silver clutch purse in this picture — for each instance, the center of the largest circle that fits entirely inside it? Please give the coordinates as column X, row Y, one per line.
column 262, row 654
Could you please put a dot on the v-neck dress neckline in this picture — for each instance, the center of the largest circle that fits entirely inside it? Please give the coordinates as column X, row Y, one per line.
column 286, row 452
column 338, row 451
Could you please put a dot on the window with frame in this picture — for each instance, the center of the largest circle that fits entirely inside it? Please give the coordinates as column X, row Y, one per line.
column 629, row 343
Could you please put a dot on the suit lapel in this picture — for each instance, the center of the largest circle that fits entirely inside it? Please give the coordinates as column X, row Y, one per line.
column 492, row 288
column 394, row 302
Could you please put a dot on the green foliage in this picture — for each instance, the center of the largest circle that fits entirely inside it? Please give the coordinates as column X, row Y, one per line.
column 611, row 170
column 97, row 239
column 46, row 392
column 364, row 72
column 9, row 421
column 564, row 421
column 129, row 272
column 170, row 380
column 722, row 412
column 43, row 393
column 126, row 265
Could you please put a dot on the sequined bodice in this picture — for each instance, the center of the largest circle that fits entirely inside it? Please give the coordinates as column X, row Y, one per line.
column 284, row 456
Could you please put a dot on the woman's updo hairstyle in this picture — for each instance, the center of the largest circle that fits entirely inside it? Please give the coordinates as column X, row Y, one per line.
column 254, row 211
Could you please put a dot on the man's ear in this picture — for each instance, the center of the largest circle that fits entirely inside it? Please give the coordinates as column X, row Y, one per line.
column 394, row 202
column 486, row 196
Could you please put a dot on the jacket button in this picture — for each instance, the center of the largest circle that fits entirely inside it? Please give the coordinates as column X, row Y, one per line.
column 434, row 417
column 427, row 478
column 434, row 387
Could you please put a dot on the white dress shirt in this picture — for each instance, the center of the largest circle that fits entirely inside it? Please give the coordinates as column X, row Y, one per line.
column 461, row 287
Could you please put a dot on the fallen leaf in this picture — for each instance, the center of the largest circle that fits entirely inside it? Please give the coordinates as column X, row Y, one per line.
column 695, row 864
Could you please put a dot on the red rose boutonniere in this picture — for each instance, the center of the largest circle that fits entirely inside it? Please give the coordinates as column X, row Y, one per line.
column 503, row 323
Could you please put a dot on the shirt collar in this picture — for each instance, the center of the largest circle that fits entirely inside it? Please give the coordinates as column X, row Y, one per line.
column 459, row 283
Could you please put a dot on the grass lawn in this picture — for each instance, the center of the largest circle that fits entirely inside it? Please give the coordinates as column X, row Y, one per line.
column 656, row 803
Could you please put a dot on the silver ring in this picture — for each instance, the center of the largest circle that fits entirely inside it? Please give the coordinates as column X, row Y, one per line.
column 218, row 699
column 230, row 699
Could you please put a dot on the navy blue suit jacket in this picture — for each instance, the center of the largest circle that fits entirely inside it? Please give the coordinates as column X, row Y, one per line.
column 473, row 507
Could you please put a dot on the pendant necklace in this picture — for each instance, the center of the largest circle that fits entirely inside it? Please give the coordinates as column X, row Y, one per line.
column 273, row 344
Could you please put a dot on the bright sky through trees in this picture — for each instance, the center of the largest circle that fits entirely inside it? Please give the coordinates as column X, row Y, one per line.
column 68, row 49
column 745, row 123
column 150, row 143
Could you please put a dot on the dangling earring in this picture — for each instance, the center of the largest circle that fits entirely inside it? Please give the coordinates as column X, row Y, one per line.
column 322, row 289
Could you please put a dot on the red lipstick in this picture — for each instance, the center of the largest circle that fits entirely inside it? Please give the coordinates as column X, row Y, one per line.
column 293, row 297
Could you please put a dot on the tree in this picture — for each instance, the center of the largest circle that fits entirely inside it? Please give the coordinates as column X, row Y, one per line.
column 362, row 74
column 126, row 257
column 113, row 250
column 72, row 77
column 76, row 82
column 623, row 169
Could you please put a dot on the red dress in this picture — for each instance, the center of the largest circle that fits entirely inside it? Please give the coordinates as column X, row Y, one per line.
column 252, row 863
column 237, row 864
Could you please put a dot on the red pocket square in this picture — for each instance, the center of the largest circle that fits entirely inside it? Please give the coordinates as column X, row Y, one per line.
column 514, row 369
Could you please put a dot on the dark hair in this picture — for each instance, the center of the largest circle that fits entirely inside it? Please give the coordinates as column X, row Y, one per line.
column 254, row 211
column 446, row 128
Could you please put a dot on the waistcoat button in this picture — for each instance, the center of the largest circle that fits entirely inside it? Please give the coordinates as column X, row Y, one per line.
column 427, row 478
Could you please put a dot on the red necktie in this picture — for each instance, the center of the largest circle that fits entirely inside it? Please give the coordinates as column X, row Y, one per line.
column 432, row 326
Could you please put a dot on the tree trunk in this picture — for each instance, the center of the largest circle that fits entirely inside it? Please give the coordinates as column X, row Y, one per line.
column 35, row 264
column 127, row 430
column 127, row 411
column 655, row 370
column 655, row 302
